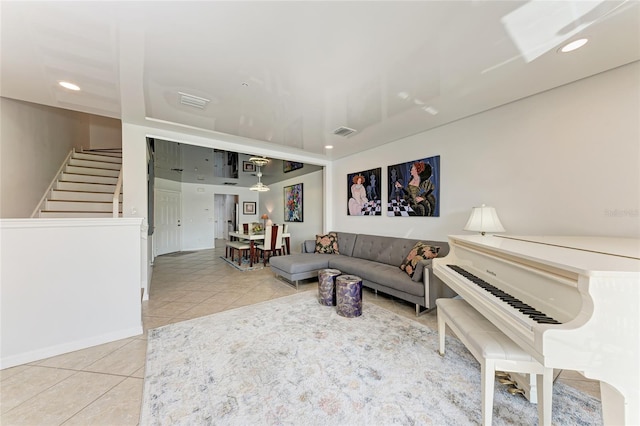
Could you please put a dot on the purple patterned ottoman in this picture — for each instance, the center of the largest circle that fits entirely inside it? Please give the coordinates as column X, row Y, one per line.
column 349, row 296
column 327, row 286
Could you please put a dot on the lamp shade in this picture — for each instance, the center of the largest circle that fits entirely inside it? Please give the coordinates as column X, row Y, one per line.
column 484, row 219
column 264, row 216
column 260, row 187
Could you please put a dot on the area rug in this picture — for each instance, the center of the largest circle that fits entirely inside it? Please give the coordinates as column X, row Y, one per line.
column 244, row 266
column 292, row 361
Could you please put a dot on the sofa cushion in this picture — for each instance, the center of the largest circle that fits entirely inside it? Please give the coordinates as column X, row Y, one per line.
column 298, row 263
column 388, row 275
column 389, row 250
column 309, row 246
column 327, row 244
column 346, row 242
column 420, row 251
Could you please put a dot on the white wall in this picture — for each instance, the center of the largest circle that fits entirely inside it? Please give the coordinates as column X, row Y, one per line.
column 198, row 213
column 564, row 162
column 198, row 230
column 105, row 133
column 272, row 203
column 67, row 284
column 34, row 141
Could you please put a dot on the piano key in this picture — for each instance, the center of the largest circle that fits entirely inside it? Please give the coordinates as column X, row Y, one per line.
column 525, row 309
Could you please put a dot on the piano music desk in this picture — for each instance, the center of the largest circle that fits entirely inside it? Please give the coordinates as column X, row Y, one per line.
column 495, row 352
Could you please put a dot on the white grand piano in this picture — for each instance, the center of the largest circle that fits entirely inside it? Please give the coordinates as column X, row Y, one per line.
column 572, row 302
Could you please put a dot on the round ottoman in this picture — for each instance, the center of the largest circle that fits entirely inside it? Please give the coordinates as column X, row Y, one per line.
column 349, row 296
column 327, row 286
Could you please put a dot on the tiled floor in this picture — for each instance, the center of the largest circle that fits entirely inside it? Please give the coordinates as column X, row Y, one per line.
column 103, row 385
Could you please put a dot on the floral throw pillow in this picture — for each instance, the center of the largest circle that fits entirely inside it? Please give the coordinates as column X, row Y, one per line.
column 327, row 244
column 421, row 251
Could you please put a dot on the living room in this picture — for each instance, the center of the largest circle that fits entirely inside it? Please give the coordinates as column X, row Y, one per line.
column 564, row 161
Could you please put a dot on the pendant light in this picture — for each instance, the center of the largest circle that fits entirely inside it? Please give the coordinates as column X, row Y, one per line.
column 259, row 162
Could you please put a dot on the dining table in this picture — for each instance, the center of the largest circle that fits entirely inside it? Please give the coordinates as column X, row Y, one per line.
column 252, row 237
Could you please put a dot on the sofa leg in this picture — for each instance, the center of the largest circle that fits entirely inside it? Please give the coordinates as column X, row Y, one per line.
column 291, row 283
column 420, row 312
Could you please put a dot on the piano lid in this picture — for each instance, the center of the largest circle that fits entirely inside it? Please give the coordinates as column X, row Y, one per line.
column 583, row 255
column 624, row 247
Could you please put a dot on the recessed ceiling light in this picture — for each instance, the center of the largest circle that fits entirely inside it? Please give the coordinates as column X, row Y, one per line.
column 431, row 110
column 328, row 146
column 571, row 46
column 68, row 85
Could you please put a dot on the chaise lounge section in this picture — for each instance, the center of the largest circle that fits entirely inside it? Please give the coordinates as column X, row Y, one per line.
column 375, row 259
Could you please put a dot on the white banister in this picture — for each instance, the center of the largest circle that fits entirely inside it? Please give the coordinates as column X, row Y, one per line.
column 116, row 195
column 55, row 179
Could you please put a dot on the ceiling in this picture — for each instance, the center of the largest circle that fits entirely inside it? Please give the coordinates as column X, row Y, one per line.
column 287, row 74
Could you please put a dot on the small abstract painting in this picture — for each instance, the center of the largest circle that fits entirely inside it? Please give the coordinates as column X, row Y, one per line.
column 364, row 193
column 249, row 207
column 414, row 188
column 293, row 203
column 289, row 166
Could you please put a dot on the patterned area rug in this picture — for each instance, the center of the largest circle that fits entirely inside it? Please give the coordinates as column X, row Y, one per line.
column 292, row 361
column 244, row 266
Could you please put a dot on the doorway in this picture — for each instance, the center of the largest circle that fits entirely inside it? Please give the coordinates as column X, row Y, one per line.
column 225, row 214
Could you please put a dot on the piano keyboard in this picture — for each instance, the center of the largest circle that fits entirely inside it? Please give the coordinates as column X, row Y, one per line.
column 515, row 303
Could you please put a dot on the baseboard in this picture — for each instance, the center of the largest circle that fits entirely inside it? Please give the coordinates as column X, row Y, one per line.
column 44, row 353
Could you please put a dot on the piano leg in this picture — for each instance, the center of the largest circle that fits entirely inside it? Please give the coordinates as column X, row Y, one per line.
column 544, row 385
column 613, row 406
column 487, row 379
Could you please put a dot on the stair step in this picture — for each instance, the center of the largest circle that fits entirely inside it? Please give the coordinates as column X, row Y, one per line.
column 62, row 195
column 116, row 153
column 94, row 164
column 85, row 186
column 91, row 171
column 80, row 178
column 90, row 206
column 62, row 214
column 97, row 157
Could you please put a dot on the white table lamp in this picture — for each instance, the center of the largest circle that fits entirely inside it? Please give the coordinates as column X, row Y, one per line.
column 484, row 219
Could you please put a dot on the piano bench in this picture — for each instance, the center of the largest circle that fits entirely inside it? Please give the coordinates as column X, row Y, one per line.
column 495, row 352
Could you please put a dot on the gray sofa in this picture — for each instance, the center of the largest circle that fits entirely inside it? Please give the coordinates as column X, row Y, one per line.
column 375, row 259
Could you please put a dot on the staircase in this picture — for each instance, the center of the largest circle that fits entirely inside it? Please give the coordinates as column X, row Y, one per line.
column 84, row 186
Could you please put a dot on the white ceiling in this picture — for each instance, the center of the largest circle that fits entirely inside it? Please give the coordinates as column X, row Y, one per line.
column 289, row 73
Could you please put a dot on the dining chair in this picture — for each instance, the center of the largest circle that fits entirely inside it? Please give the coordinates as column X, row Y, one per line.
column 245, row 230
column 243, row 248
column 272, row 242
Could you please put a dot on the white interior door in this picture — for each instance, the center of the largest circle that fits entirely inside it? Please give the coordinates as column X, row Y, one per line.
column 167, row 221
column 221, row 227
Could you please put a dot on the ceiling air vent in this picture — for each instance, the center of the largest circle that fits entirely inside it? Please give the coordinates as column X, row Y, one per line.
column 193, row 101
column 230, row 183
column 344, row 131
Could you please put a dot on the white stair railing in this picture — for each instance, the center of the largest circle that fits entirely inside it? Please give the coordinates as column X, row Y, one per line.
column 53, row 182
column 116, row 195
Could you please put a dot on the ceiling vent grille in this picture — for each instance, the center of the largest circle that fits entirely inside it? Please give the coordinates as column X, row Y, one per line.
column 230, row 183
column 344, row 131
column 193, row 101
